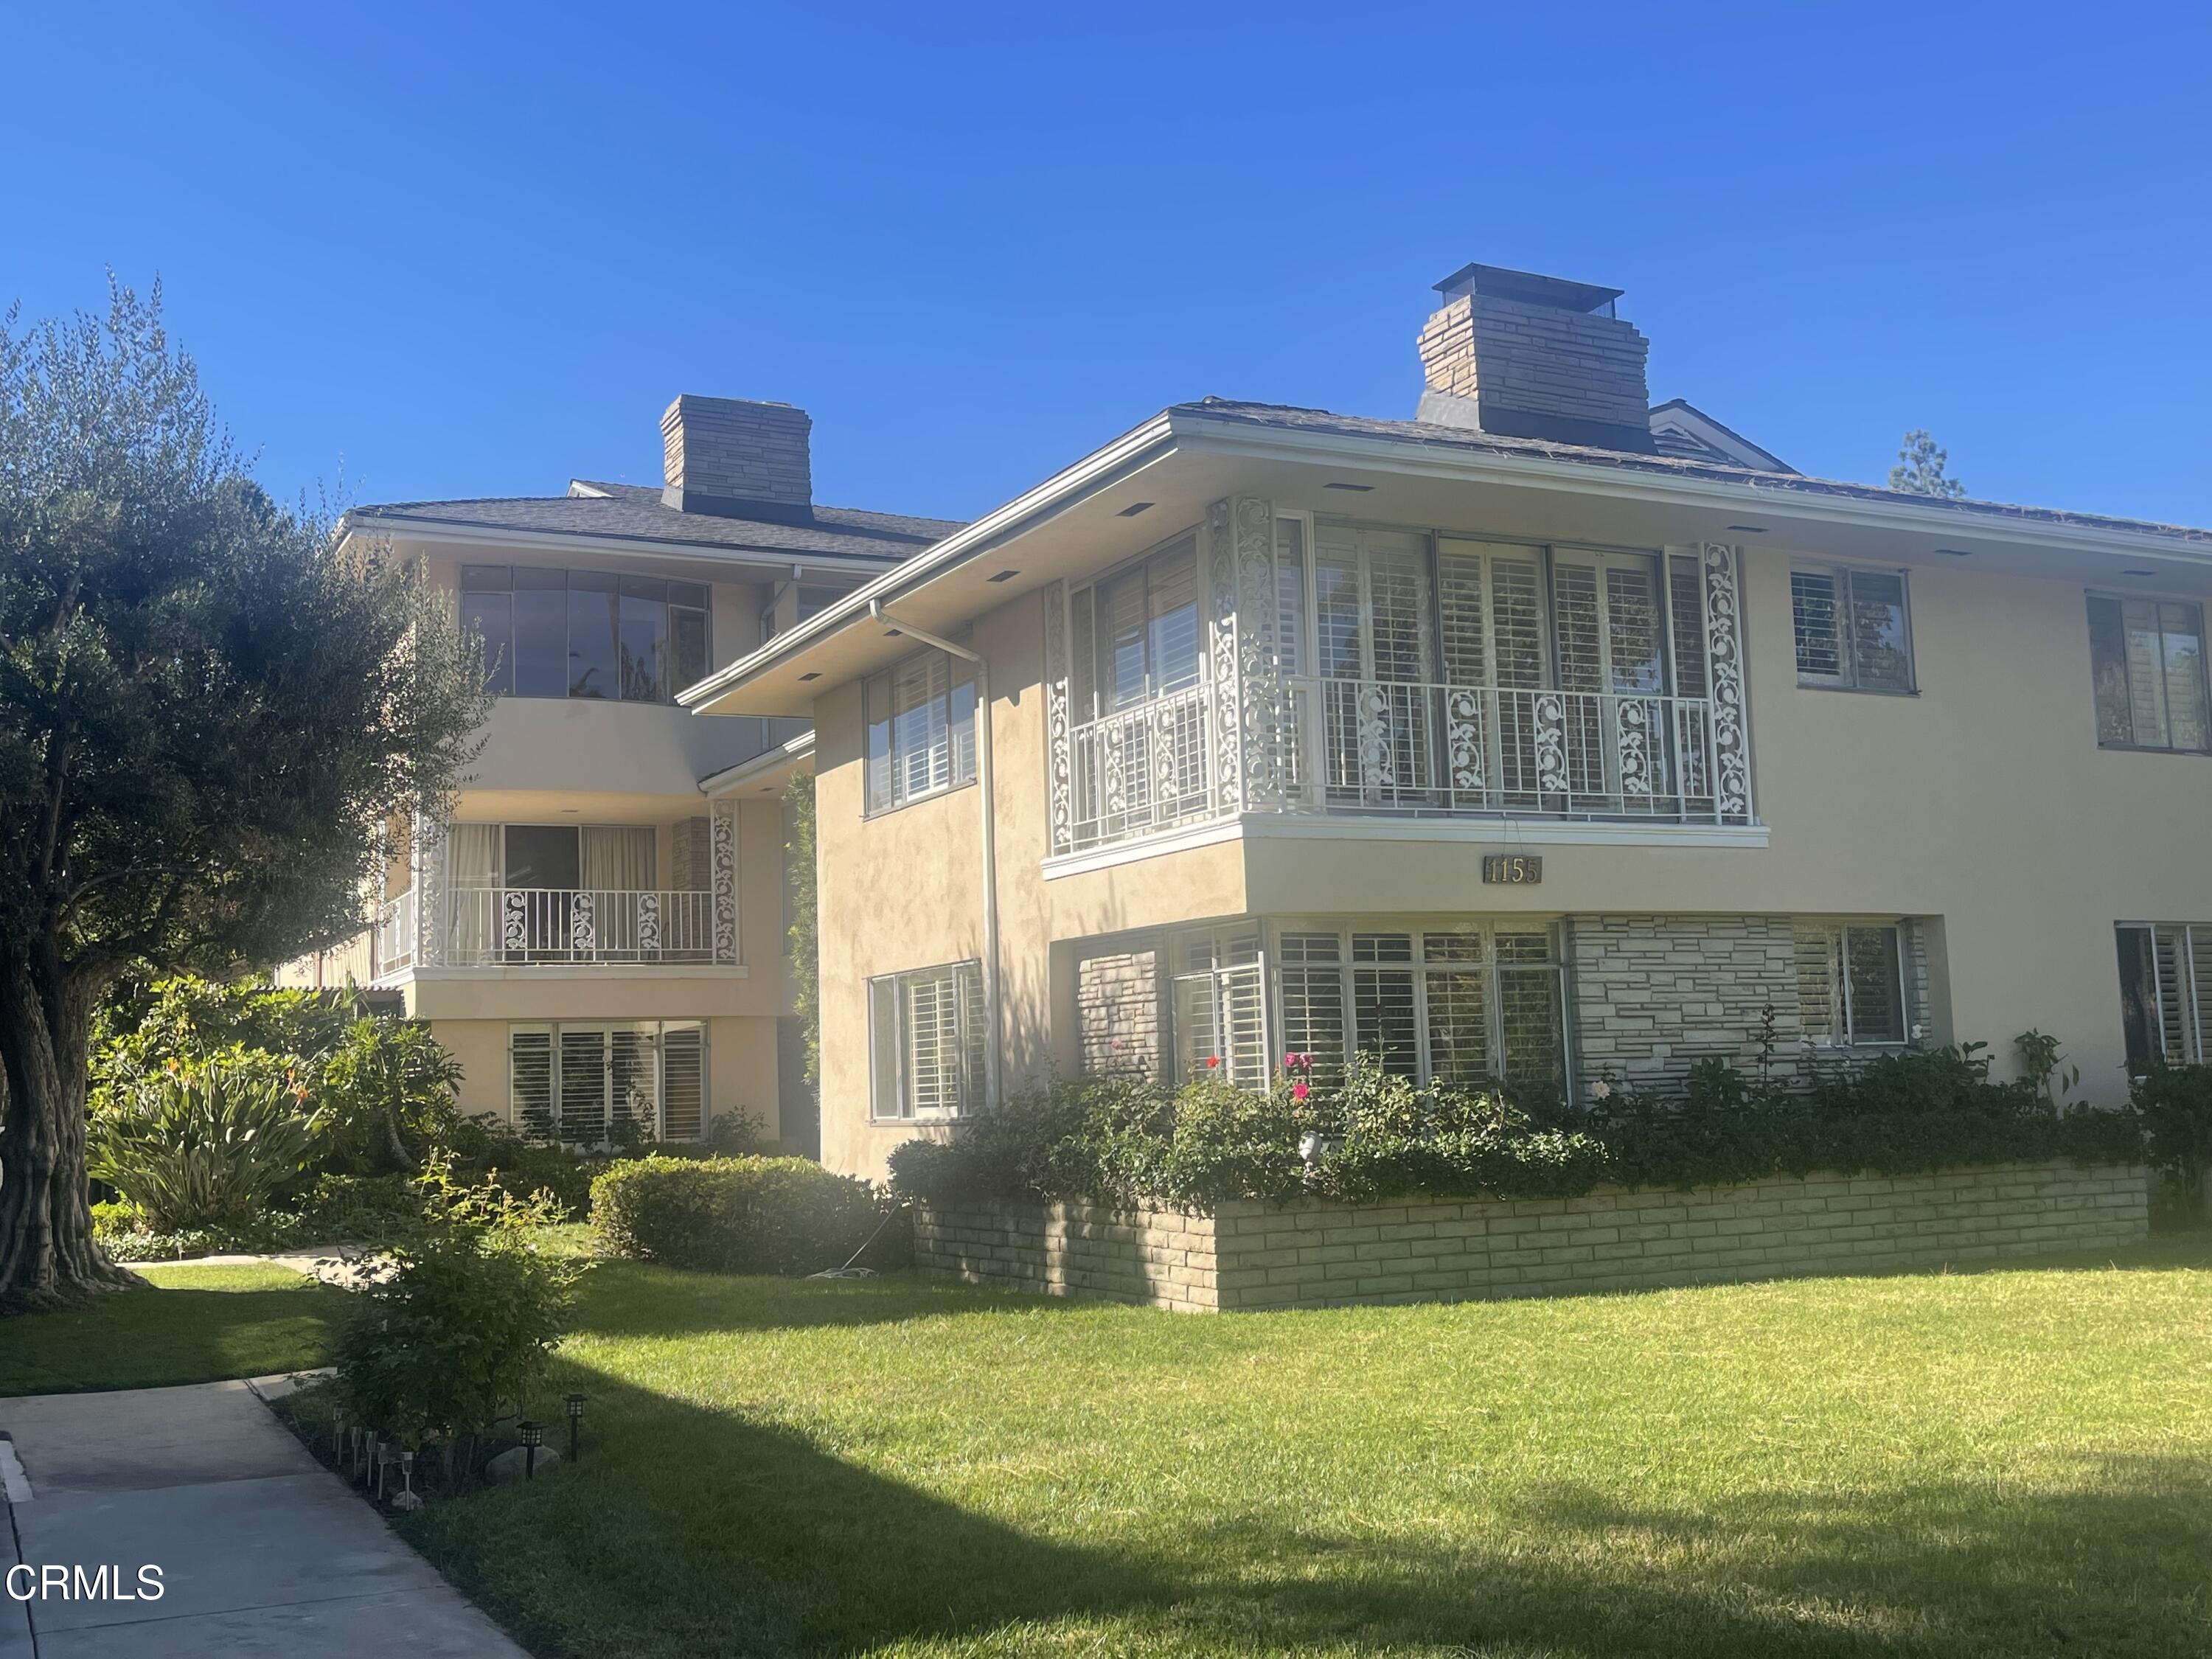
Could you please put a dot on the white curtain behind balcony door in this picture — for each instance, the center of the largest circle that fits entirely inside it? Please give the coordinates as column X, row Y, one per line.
column 617, row 858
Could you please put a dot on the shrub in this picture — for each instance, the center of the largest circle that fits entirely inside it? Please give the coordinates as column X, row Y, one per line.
column 389, row 1090
column 2175, row 1103
column 465, row 1326
column 206, row 1144
column 745, row 1215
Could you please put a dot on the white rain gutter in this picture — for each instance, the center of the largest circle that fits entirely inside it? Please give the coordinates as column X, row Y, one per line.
column 990, row 835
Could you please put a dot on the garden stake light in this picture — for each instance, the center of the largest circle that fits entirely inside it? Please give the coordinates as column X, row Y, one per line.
column 408, row 1500
column 533, row 1437
column 576, row 1404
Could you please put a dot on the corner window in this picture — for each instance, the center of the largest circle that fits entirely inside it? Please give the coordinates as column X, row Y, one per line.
column 1850, row 982
column 2147, row 659
column 921, row 729
column 2165, row 993
column 1853, row 630
column 585, row 632
column 925, row 1042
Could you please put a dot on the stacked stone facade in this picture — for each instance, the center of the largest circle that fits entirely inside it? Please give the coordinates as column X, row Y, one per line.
column 1253, row 1255
column 1537, row 359
column 1653, row 995
column 730, row 449
column 1117, row 1000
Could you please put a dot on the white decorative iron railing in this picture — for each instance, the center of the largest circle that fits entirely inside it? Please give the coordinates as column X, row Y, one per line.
column 1144, row 768
column 1400, row 747
column 498, row 927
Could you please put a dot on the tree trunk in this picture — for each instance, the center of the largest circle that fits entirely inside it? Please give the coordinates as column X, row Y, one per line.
column 47, row 1257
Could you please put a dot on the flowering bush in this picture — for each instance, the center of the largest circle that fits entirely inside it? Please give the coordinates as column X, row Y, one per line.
column 1125, row 1142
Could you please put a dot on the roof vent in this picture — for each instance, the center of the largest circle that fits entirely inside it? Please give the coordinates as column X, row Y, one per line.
column 1521, row 356
column 736, row 459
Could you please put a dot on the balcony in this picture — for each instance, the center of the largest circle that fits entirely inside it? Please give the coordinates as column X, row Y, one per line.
column 524, row 926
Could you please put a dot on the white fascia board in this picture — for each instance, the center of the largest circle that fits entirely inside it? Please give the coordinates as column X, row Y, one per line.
column 1057, row 494
column 766, row 764
column 1778, row 496
column 477, row 535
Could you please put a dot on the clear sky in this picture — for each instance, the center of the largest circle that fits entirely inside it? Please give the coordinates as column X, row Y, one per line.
column 473, row 251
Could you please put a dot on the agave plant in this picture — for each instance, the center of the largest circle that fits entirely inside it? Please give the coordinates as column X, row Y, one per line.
column 202, row 1146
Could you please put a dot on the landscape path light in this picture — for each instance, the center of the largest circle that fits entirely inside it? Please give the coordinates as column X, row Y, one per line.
column 533, row 1437
column 574, row 1402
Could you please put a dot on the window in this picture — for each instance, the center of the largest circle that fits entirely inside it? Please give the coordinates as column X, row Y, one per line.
column 585, row 632
column 2165, row 993
column 925, row 1042
column 1852, row 628
column 587, row 1083
column 813, row 600
column 1850, row 985
column 1469, row 1005
column 1219, row 1003
column 921, row 729
column 2148, row 658
column 1136, row 633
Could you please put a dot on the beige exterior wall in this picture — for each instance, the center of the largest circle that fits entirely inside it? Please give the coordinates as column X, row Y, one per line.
column 1982, row 803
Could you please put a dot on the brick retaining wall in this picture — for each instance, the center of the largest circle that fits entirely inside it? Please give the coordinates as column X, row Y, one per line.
column 1310, row 1255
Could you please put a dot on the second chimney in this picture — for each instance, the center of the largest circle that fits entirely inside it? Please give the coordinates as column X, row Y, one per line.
column 1528, row 357
column 737, row 459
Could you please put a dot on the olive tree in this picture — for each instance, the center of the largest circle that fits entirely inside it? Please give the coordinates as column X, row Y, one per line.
column 211, row 707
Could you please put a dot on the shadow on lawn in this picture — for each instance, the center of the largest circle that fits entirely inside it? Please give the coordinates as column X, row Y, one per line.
column 625, row 1299
column 687, row 1531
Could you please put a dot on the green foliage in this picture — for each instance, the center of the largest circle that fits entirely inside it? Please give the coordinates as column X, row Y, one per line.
column 1122, row 1142
column 337, row 1209
column 183, row 1017
column 209, row 1143
column 390, row 1089
column 2176, row 1105
column 465, row 1327
column 805, row 938
column 1919, row 469
column 744, row 1215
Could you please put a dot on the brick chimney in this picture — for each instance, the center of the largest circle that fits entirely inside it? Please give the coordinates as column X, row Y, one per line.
column 1528, row 356
column 737, row 460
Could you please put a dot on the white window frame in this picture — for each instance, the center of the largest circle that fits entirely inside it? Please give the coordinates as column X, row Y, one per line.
column 656, row 1034
column 888, row 1082
column 959, row 759
column 1847, row 676
column 1842, row 1032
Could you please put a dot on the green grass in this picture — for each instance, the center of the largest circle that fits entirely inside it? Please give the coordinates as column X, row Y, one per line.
column 195, row 1325
column 2005, row 1463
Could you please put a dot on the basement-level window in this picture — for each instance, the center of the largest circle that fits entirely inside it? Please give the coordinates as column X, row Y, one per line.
column 921, row 729
column 926, row 1036
column 2165, row 993
column 589, row 1083
column 1850, row 982
column 2147, row 658
column 1852, row 628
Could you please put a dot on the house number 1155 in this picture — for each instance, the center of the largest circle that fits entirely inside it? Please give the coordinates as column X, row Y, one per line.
column 1512, row 869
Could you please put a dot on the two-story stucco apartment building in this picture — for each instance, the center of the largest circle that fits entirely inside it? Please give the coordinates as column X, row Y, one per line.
column 600, row 931
column 1546, row 736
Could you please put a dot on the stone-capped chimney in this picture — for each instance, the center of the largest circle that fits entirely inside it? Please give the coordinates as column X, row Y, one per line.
column 737, row 459
column 1528, row 356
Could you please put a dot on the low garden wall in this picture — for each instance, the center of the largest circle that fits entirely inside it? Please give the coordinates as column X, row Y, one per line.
column 1313, row 1254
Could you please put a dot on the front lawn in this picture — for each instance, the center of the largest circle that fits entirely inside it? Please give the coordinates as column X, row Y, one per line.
column 2004, row 1463
column 195, row 1325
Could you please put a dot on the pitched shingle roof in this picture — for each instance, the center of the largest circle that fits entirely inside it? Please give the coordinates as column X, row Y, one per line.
column 635, row 513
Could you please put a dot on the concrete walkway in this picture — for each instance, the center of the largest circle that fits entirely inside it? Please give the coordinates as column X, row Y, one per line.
column 262, row 1550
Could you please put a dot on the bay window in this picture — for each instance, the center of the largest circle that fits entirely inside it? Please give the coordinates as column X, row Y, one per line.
column 920, row 716
column 1852, row 628
column 585, row 634
column 2147, row 659
column 925, row 1036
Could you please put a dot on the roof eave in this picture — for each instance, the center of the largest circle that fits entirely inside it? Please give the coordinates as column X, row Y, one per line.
column 407, row 527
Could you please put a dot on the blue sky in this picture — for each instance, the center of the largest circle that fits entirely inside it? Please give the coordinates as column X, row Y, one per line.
column 462, row 250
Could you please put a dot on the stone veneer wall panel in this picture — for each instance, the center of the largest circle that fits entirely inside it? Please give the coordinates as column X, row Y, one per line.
column 1310, row 1255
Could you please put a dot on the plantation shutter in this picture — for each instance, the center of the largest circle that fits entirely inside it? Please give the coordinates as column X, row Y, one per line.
column 583, row 1112
column 1313, row 1002
column 682, row 1081
column 1458, row 1009
column 1385, row 1024
column 1813, row 610
column 1820, row 991
column 530, row 1079
column 932, row 1045
column 633, row 1071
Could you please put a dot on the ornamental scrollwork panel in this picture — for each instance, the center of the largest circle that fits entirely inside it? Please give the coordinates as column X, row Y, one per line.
column 1060, row 770
column 1724, row 652
column 649, row 921
column 723, row 846
column 1219, row 573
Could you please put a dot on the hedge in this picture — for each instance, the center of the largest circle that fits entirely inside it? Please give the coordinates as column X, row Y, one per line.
column 740, row 1215
column 1133, row 1144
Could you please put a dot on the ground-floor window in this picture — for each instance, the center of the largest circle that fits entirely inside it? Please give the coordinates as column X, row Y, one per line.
column 1850, row 981
column 2165, row 993
column 926, row 1035
column 593, row 1081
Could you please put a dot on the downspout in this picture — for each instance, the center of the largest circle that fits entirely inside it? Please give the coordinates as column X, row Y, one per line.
column 990, row 835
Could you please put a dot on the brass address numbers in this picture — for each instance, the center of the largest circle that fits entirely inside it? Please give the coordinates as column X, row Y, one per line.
column 1512, row 869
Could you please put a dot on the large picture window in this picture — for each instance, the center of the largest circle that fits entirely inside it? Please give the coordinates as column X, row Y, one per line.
column 925, row 1041
column 2165, row 993
column 1853, row 631
column 591, row 1083
column 2147, row 657
column 586, row 633
column 1850, row 982
column 921, row 729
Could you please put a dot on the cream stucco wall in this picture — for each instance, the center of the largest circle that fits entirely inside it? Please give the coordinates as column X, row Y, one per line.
column 1983, row 800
